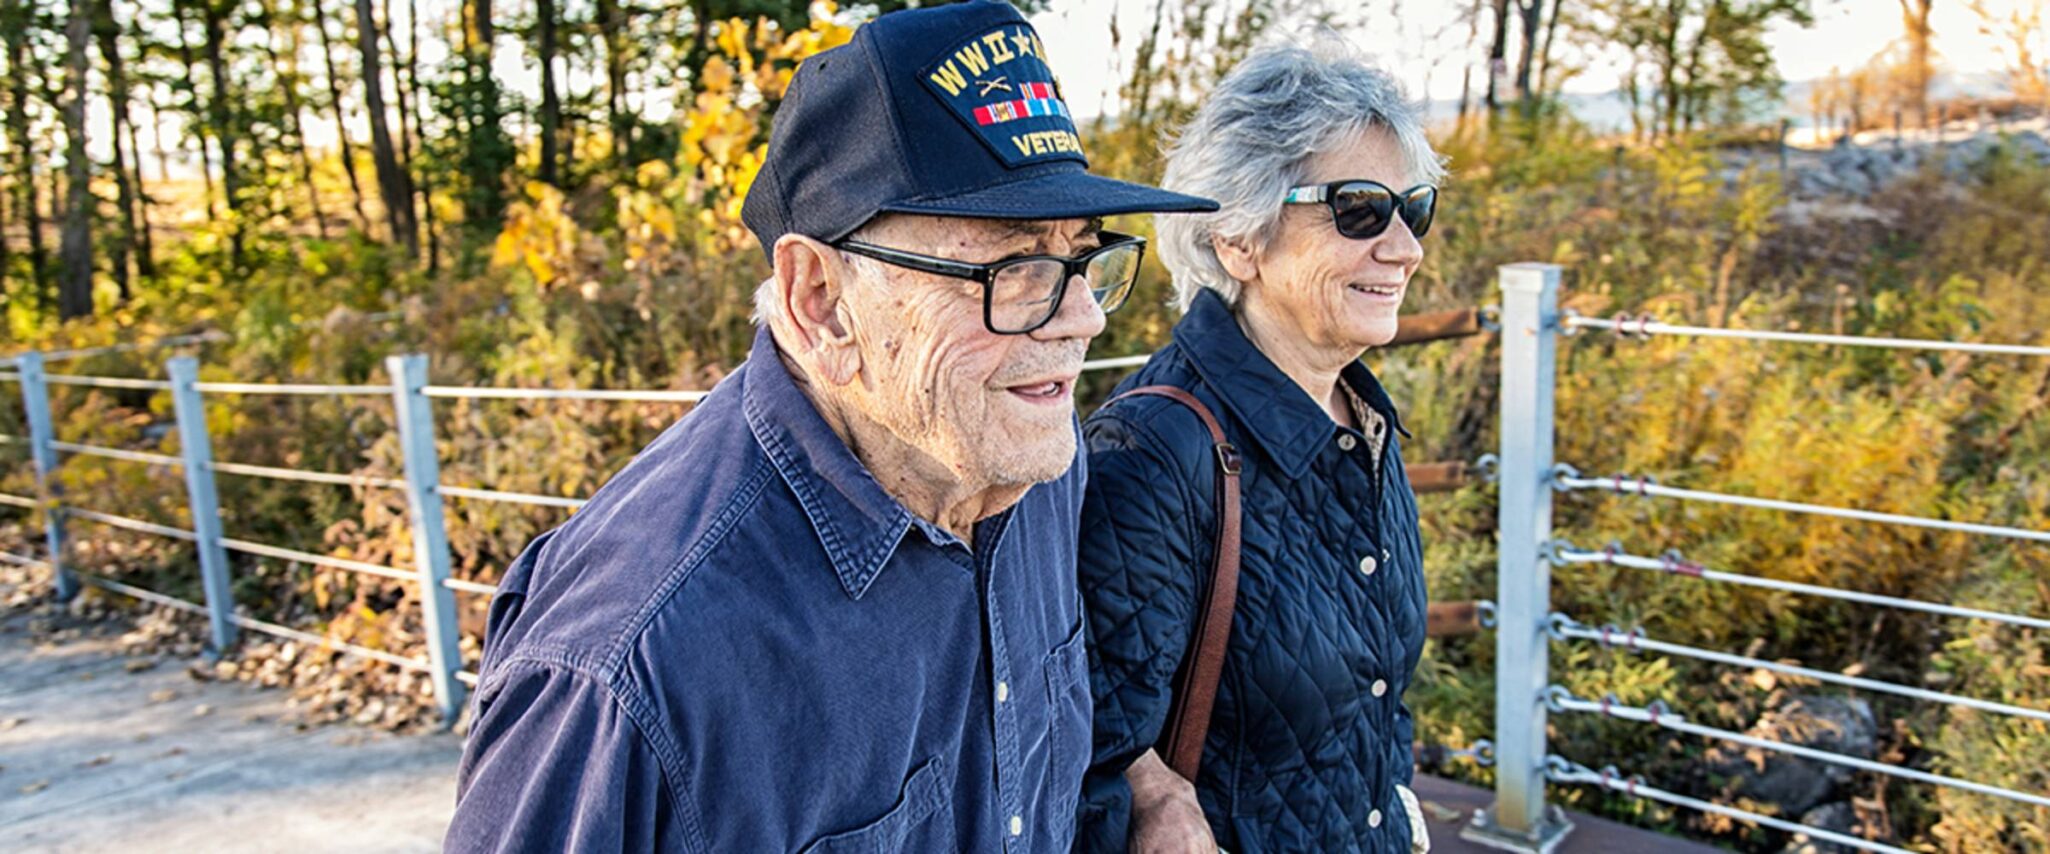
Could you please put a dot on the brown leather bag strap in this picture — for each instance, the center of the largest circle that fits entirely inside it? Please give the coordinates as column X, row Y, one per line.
column 1189, row 721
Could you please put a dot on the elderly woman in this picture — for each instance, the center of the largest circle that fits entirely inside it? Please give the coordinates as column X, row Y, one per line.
column 1325, row 178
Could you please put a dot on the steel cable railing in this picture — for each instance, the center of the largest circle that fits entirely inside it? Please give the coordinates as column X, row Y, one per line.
column 106, row 382
column 300, row 476
column 1634, row 640
column 1643, row 326
column 1558, row 699
column 1561, row 770
column 290, row 389
column 512, row 497
column 1566, row 478
column 638, row 395
column 118, row 454
column 1671, row 563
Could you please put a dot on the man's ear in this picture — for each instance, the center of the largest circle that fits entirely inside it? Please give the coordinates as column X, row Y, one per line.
column 812, row 279
column 1240, row 258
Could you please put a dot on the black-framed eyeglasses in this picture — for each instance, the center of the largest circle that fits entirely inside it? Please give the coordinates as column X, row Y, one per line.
column 1362, row 209
column 1021, row 294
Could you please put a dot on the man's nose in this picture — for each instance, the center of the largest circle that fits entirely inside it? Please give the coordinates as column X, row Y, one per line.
column 1078, row 315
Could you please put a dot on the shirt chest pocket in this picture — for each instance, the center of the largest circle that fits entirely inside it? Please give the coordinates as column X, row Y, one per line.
column 1068, row 724
column 919, row 821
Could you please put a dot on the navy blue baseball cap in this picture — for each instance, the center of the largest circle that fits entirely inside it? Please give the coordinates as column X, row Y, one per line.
column 947, row 111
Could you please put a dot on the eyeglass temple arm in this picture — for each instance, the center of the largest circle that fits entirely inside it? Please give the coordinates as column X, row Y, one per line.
column 940, row 266
column 1305, row 194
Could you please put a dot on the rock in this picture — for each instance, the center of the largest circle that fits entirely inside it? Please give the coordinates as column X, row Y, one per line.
column 1795, row 785
column 1841, row 817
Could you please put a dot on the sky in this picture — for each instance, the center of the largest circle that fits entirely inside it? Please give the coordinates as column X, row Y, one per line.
column 1423, row 42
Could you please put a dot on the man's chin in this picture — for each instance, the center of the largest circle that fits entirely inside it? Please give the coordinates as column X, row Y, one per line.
column 1042, row 462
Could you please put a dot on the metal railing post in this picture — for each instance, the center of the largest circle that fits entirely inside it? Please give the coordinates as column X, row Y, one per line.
column 1519, row 820
column 35, row 400
column 415, row 418
column 196, row 450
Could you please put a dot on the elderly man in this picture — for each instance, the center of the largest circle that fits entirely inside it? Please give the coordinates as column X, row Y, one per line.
column 835, row 608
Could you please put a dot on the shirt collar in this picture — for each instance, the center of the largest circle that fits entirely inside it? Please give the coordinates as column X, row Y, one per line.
column 1278, row 417
column 857, row 522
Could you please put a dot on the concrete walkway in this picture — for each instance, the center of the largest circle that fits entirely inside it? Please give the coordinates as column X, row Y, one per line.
column 95, row 756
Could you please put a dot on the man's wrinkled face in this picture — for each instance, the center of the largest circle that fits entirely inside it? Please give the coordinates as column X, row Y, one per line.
column 994, row 409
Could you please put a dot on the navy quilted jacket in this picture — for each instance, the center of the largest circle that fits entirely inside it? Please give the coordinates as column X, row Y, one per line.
column 1310, row 736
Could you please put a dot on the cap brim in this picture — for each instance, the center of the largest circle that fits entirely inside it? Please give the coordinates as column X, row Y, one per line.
column 1057, row 195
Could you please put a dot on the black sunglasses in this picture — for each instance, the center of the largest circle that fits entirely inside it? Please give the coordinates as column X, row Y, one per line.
column 1362, row 209
column 1023, row 293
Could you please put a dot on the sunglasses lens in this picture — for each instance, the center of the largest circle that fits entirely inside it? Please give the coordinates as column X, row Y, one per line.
column 1419, row 208
column 1362, row 210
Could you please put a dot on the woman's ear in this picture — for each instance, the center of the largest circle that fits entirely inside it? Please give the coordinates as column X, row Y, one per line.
column 812, row 280
column 1240, row 258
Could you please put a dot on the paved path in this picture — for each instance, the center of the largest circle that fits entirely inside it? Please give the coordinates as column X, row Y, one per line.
column 94, row 757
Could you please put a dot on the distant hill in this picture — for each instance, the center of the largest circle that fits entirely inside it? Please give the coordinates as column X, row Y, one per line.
column 1607, row 111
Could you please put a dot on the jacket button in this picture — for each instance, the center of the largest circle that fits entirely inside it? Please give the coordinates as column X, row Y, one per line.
column 1380, row 687
column 1017, row 825
column 1003, row 691
column 1374, row 819
column 1367, row 565
column 1346, row 441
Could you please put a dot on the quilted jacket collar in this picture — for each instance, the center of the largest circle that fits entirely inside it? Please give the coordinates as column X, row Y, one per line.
column 1285, row 423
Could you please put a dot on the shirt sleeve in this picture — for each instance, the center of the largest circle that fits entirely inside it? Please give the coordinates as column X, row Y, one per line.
column 555, row 763
column 1141, row 561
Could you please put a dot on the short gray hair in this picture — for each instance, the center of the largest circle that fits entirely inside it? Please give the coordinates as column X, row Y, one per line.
column 768, row 297
column 1253, row 138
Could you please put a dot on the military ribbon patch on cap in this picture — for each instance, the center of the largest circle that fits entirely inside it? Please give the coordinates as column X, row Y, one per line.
column 998, row 84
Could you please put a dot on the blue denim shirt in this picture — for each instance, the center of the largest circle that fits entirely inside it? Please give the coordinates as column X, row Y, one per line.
column 742, row 643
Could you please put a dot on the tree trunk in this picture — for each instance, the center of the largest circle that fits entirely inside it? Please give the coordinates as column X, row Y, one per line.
column 1544, row 75
column 551, row 103
column 426, row 179
column 1669, row 66
column 1473, row 34
column 611, row 23
column 392, row 183
column 1498, row 55
column 1915, row 20
column 18, row 129
column 400, row 90
column 486, row 149
column 334, row 97
column 287, row 69
column 6, row 251
column 221, row 115
column 108, row 32
column 145, row 245
column 1533, row 12
column 196, row 107
column 75, row 290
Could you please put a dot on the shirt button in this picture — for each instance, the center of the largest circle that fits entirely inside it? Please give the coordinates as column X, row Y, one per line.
column 1017, row 825
column 1346, row 441
column 1374, row 819
column 1367, row 565
column 1003, row 691
column 1380, row 687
